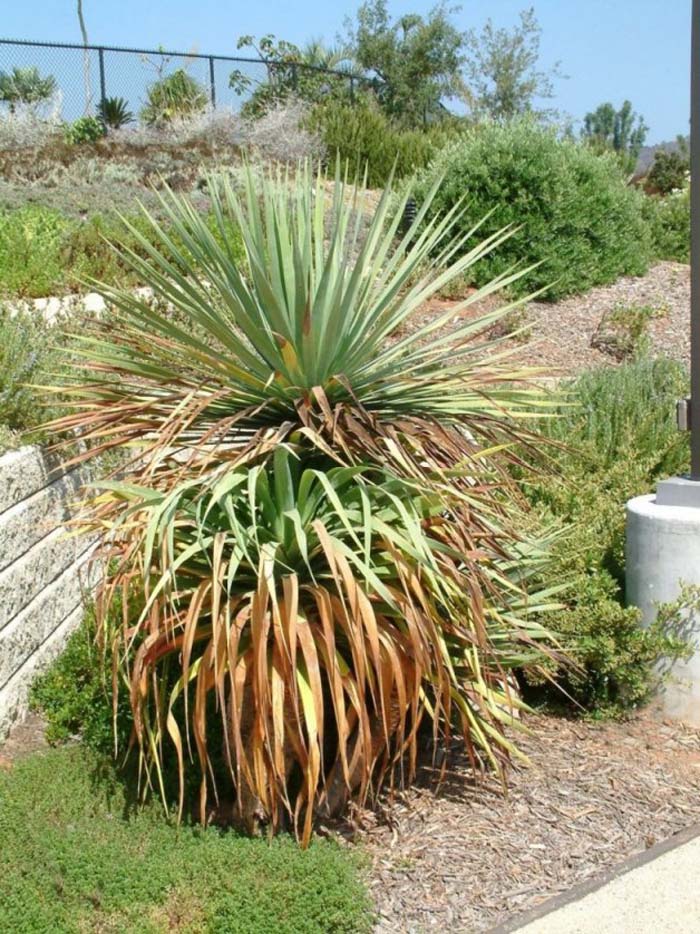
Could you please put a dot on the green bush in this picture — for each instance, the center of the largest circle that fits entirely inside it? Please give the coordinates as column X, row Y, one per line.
column 669, row 222
column 175, row 96
column 44, row 253
column 30, row 251
column 573, row 212
column 617, row 437
column 669, row 172
column 26, row 352
column 85, row 130
column 75, row 696
column 362, row 135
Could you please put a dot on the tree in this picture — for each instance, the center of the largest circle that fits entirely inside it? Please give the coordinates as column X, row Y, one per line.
column 621, row 131
column 417, row 61
column 291, row 71
column 86, row 59
column 501, row 70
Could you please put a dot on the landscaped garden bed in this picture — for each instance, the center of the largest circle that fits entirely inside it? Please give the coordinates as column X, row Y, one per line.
column 348, row 527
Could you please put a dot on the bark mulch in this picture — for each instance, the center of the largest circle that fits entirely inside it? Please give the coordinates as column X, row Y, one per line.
column 464, row 858
column 559, row 333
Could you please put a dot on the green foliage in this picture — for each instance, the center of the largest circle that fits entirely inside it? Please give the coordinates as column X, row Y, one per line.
column 363, row 136
column 84, row 130
column 26, row 352
column 75, row 693
column 175, row 96
column 114, row 112
column 501, row 67
column 669, row 223
column 417, row 60
column 78, row 855
column 670, row 171
column 25, row 86
column 573, row 211
column 293, row 72
column 30, row 251
column 44, row 253
column 620, row 131
column 618, row 437
column 622, row 331
column 323, row 499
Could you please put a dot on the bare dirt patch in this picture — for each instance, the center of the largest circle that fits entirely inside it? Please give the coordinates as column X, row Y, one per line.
column 465, row 859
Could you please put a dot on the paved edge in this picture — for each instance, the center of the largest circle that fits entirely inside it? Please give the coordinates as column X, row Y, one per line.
column 577, row 892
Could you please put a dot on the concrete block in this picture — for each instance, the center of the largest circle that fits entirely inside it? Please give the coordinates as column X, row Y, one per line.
column 14, row 696
column 662, row 553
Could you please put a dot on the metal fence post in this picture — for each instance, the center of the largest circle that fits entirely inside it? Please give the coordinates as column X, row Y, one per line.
column 352, row 89
column 103, row 86
column 212, row 82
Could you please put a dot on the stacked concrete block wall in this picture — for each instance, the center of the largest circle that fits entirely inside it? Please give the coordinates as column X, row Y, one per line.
column 44, row 571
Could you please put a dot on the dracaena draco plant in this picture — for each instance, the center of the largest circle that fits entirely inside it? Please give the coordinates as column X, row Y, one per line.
column 317, row 507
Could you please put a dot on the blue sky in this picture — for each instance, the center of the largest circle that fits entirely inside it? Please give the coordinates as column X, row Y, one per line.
column 610, row 49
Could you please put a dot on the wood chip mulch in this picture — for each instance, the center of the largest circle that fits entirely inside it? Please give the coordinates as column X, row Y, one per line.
column 464, row 858
column 559, row 334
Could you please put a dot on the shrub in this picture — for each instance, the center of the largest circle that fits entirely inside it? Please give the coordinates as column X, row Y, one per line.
column 333, row 554
column 25, row 86
column 363, row 136
column 75, row 694
column 175, row 96
column 25, row 354
column 669, row 222
column 573, row 211
column 30, row 251
column 114, row 113
column 44, row 253
column 669, row 172
column 619, row 438
column 280, row 133
column 85, row 130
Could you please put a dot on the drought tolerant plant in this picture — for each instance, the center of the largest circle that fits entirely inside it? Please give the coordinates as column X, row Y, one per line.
column 320, row 517
column 25, row 86
column 575, row 215
column 85, row 130
column 362, row 135
column 669, row 223
column 175, row 96
column 114, row 113
column 618, row 438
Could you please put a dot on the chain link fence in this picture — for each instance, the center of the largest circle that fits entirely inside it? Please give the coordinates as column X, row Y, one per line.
column 81, row 77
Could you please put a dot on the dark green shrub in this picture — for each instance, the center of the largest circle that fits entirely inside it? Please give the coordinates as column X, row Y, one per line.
column 669, row 223
column 575, row 214
column 669, row 172
column 85, row 130
column 75, row 695
column 177, row 95
column 114, row 113
column 363, row 135
column 619, row 438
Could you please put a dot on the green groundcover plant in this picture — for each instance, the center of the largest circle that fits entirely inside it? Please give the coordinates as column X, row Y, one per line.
column 319, row 519
column 572, row 210
column 77, row 855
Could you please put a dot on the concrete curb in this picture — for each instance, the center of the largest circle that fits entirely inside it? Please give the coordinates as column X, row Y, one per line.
column 578, row 892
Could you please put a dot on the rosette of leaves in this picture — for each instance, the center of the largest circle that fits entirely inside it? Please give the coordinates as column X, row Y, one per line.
column 318, row 508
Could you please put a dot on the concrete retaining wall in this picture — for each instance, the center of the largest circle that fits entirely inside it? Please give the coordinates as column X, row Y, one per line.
column 43, row 571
